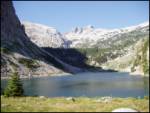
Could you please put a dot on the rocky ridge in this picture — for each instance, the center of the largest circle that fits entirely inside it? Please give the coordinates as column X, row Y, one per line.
column 89, row 36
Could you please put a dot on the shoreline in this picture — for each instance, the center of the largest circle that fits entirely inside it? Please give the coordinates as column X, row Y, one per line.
column 69, row 74
column 40, row 76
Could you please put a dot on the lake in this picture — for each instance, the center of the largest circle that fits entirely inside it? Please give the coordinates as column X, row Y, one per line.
column 88, row 84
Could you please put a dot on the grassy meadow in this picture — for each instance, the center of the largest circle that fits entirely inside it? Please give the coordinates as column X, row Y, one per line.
column 81, row 104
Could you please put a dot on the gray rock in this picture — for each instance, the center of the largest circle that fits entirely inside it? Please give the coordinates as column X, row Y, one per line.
column 71, row 98
column 41, row 97
column 4, row 105
column 104, row 99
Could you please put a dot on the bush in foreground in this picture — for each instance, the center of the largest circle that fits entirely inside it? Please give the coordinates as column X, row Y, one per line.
column 14, row 87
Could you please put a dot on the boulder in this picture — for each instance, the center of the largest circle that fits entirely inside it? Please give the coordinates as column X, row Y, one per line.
column 41, row 97
column 104, row 99
column 124, row 110
column 71, row 98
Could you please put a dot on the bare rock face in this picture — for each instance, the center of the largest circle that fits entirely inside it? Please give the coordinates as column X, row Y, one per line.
column 44, row 36
column 13, row 36
column 19, row 53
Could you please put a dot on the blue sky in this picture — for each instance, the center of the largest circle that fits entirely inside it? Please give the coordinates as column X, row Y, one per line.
column 65, row 15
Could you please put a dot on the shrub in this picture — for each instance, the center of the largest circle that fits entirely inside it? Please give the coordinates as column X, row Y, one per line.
column 132, row 69
column 5, row 50
column 14, row 87
column 145, row 68
column 29, row 63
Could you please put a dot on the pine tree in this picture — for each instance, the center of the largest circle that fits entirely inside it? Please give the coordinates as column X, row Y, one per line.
column 14, row 87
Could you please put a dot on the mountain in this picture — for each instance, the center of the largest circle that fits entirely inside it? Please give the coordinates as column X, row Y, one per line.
column 53, row 42
column 126, row 52
column 105, row 47
column 44, row 36
column 97, row 47
column 19, row 53
column 91, row 37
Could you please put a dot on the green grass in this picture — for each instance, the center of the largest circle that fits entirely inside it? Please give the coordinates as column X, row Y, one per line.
column 81, row 104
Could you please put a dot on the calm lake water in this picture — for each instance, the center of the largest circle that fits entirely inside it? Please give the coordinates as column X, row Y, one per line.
column 87, row 84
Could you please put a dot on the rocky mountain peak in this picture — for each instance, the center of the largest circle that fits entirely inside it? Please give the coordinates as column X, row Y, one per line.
column 90, row 35
column 77, row 30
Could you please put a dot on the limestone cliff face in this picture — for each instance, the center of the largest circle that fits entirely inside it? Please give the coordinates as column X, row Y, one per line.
column 19, row 53
column 44, row 36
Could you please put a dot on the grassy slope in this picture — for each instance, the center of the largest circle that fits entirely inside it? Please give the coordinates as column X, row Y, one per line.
column 61, row 104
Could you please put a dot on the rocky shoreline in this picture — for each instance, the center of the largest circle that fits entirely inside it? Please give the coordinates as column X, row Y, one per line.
column 69, row 74
column 39, row 76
